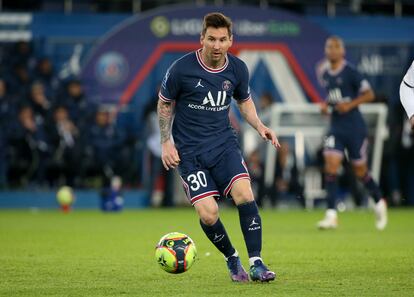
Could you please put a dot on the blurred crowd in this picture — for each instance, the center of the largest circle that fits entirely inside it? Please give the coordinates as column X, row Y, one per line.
column 50, row 133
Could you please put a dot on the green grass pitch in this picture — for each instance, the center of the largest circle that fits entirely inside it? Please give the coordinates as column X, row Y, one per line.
column 88, row 253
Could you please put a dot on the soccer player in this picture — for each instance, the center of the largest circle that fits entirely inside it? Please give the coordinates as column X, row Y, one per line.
column 407, row 94
column 197, row 91
column 347, row 89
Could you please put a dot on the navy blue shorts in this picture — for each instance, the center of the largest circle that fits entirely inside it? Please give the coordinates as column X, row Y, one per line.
column 212, row 173
column 356, row 145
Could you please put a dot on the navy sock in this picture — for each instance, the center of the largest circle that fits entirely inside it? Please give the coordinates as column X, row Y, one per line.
column 372, row 187
column 251, row 225
column 331, row 187
column 218, row 236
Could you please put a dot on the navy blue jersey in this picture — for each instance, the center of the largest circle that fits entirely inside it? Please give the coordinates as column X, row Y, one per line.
column 202, row 96
column 344, row 85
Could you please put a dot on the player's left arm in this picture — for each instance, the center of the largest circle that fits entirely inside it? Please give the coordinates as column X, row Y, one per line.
column 364, row 97
column 247, row 108
column 248, row 111
column 365, row 93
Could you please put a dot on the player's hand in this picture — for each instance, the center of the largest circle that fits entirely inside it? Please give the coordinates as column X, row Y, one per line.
column 268, row 134
column 343, row 107
column 324, row 108
column 169, row 156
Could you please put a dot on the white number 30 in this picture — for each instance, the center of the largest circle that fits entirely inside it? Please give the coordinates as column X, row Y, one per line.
column 197, row 180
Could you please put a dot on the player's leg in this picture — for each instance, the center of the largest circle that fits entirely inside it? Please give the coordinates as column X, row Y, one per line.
column 251, row 225
column 360, row 167
column 250, row 221
column 333, row 155
column 207, row 210
column 201, row 189
column 232, row 177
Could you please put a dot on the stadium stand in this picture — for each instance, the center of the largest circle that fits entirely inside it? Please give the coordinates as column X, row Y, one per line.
column 53, row 132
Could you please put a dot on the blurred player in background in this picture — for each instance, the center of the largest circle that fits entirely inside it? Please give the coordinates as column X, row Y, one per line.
column 347, row 89
column 197, row 91
column 407, row 94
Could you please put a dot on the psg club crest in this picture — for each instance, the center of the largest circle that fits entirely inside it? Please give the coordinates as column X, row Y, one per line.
column 226, row 85
column 111, row 69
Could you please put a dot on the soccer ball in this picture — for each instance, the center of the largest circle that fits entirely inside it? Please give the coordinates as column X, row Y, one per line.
column 65, row 196
column 175, row 252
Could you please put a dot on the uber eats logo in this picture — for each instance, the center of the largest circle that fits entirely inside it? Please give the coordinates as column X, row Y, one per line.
column 160, row 26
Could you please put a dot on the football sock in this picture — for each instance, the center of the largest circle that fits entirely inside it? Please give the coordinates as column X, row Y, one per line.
column 251, row 225
column 331, row 186
column 218, row 236
column 236, row 254
column 372, row 187
column 331, row 213
column 253, row 259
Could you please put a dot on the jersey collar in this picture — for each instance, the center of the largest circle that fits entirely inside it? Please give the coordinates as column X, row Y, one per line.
column 209, row 69
column 337, row 71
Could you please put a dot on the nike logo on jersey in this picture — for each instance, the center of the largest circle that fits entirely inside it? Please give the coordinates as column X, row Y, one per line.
column 199, row 84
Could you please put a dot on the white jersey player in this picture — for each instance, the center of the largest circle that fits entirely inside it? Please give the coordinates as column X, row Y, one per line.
column 407, row 93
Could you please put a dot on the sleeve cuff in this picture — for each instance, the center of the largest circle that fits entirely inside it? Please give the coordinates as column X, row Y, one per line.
column 245, row 99
column 163, row 98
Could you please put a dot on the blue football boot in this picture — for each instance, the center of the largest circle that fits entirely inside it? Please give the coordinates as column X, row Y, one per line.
column 259, row 272
column 237, row 272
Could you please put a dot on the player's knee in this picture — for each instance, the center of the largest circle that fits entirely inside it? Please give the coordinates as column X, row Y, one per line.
column 332, row 164
column 242, row 192
column 209, row 219
column 244, row 199
column 331, row 168
column 208, row 216
column 240, row 197
column 360, row 170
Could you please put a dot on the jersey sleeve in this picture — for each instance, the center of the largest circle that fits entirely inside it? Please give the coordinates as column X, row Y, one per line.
column 321, row 69
column 242, row 91
column 409, row 76
column 169, row 87
column 360, row 82
column 407, row 98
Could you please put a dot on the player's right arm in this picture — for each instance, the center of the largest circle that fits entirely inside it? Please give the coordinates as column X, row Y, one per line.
column 169, row 156
column 321, row 69
column 165, row 109
column 324, row 108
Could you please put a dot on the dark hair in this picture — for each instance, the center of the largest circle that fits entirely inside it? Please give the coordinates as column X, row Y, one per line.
column 337, row 39
column 216, row 20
